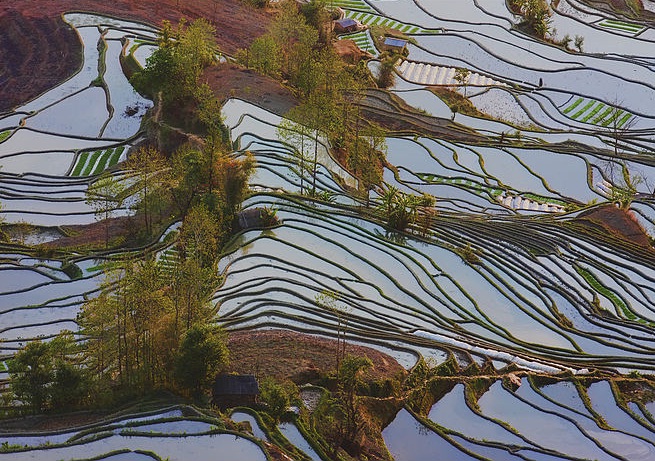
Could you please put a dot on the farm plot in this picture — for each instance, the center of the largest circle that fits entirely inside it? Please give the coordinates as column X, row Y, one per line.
column 471, row 281
column 371, row 19
column 93, row 163
column 621, row 26
column 597, row 113
column 363, row 41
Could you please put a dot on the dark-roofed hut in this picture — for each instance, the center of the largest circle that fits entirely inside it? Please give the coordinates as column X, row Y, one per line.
column 345, row 25
column 234, row 390
column 396, row 45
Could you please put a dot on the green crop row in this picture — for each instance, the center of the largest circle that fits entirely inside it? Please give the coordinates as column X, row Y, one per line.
column 90, row 163
column 623, row 26
column 374, row 19
column 619, row 305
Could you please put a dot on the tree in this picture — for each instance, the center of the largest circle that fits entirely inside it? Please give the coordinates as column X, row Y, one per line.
column 190, row 172
column 130, row 326
column 298, row 136
column 153, row 178
column 105, row 196
column 328, row 300
column 350, row 379
column 46, row 375
column 338, row 416
column 536, row 15
column 202, row 354
column 31, row 371
column 276, row 396
column 366, row 151
column 386, row 76
column 579, row 42
column 265, row 56
column 400, row 209
column 175, row 68
column 231, row 177
column 462, row 77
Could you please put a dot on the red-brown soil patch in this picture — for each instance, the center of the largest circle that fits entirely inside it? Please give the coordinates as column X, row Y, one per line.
column 629, row 8
column 36, row 54
column 618, row 222
column 34, row 36
column 286, row 354
column 349, row 51
column 230, row 80
column 94, row 234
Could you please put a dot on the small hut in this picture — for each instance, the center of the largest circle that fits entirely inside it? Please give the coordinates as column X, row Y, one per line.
column 395, row 45
column 234, row 390
column 345, row 25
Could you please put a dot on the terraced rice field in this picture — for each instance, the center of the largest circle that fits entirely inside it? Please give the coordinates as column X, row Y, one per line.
column 504, row 279
column 597, row 113
column 371, row 19
column 363, row 41
column 621, row 26
column 93, row 163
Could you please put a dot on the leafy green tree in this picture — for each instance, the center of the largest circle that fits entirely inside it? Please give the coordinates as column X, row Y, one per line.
column 153, row 180
column 130, row 326
column 104, row 195
column 401, row 209
column 190, row 173
column 46, row 375
column 386, row 76
column 366, row 152
column 350, row 379
column 462, row 77
column 202, row 354
column 175, row 68
column 31, row 372
column 338, row 415
column 276, row 396
column 536, row 15
column 265, row 56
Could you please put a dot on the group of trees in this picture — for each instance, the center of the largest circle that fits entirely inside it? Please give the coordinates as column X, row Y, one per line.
column 48, row 375
column 154, row 313
column 298, row 49
column 152, row 326
column 338, row 415
column 536, row 16
column 175, row 68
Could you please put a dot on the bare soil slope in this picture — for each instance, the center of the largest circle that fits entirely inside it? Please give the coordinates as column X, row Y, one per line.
column 38, row 50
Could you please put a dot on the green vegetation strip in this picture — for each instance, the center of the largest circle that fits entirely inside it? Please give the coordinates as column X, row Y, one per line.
column 618, row 303
column 623, row 120
column 95, row 163
column 374, row 19
column 92, row 161
column 583, row 110
column 4, row 135
column 81, row 161
column 3, row 366
column 603, row 115
column 573, row 106
column 619, row 25
column 593, row 112
column 353, row 4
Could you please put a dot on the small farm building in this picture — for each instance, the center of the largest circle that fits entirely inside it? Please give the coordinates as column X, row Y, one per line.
column 345, row 25
column 397, row 45
column 234, row 390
